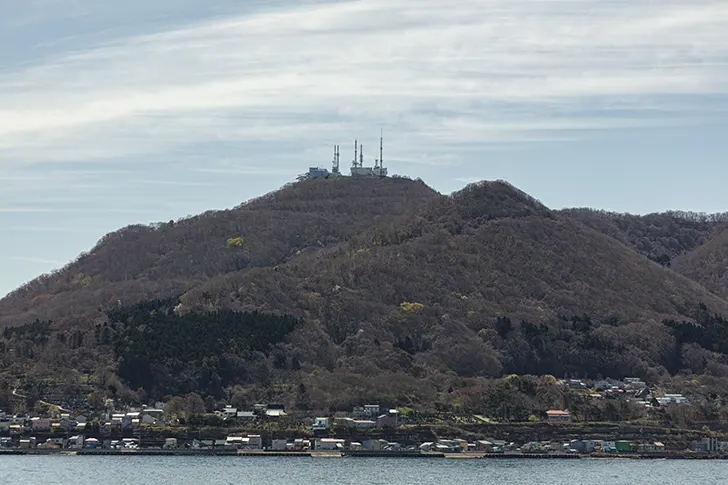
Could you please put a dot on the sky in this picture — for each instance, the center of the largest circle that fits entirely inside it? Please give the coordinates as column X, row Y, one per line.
column 120, row 112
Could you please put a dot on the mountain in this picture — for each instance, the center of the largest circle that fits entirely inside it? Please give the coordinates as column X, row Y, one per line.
column 708, row 263
column 331, row 292
column 164, row 260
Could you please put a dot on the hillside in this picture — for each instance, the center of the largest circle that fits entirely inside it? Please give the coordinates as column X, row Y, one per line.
column 669, row 233
column 339, row 291
column 144, row 262
column 708, row 263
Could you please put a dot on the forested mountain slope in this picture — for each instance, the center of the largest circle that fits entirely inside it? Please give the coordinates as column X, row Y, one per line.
column 708, row 263
column 143, row 262
column 434, row 290
column 338, row 291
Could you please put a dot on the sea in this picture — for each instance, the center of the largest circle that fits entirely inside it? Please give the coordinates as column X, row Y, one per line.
column 165, row 470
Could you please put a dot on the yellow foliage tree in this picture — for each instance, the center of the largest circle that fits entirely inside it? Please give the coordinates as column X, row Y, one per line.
column 236, row 242
column 410, row 307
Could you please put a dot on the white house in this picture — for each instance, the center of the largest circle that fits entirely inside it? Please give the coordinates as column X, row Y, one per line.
column 320, row 424
column 329, row 444
column 76, row 442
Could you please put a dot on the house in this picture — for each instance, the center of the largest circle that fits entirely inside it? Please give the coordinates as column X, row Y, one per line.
column 484, row 445
column 656, row 446
column 203, row 444
column 147, row 420
column 710, row 445
column 634, row 383
column 320, row 424
column 92, row 443
column 329, row 444
column 347, row 423
column 388, row 420
column 575, row 384
column 602, row 385
column 367, row 411
column 156, row 414
column 531, row 447
column 246, row 415
column 40, row 424
column 254, row 442
column 275, row 411
column 582, row 446
column 75, row 442
column 279, row 445
column 26, row 444
column 556, row 415
column 608, row 446
column 229, row 412
column 364, row 424
column 669, row 399
column 235, row 442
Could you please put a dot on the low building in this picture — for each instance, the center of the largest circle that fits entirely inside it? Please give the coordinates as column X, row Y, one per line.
column 246, row 415
column 483, row 445
column 329, row 444
column 279, row 445
column 582, row 446
column 608, row 446
column 556, row 415
column 320, row 424
column 672, row 399
column 623, row 446
column 26, row 444
column 254, row 442
column 388, row 420
column 92, row 443
column 40, row 424
column 76, row 442
column 170, row 443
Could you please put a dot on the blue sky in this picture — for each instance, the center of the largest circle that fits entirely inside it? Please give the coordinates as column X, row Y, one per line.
column 117, row 112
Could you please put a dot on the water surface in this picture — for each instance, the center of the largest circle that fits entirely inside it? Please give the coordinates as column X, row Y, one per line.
column 105, row 470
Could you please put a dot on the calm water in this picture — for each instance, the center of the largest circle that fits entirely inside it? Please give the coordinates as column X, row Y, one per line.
column 86, row 470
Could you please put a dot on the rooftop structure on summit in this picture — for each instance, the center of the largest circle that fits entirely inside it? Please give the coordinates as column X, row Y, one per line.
column 358, row 169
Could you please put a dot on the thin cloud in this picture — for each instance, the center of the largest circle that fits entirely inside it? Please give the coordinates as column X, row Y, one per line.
column 289, row 75
column 26, row 210
column 43, row 261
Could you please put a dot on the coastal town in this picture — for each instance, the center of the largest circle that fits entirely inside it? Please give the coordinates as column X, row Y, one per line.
column 366, row 430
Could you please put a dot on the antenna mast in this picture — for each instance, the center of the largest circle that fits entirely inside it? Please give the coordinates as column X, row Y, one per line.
column 381, row 150
column 356, row 152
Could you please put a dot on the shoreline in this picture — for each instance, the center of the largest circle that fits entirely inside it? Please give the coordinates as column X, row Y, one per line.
column 364, row 454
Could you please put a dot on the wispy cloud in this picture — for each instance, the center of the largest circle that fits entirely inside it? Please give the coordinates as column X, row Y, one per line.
column 488, row 71
column 43, row 261
column 26, row 210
